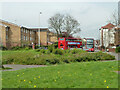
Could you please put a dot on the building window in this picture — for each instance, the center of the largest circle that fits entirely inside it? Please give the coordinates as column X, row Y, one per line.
column 21, row 29
column 7, row 33
column 24, row 30
column 6, row 29
column 30, row 39
column 6, row 36
column 24, row 37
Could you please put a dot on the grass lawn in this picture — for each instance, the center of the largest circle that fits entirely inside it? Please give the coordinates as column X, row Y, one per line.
column 74, row 75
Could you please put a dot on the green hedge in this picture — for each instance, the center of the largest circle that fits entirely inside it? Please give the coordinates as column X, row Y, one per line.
column 117, row 49
column 58, row 56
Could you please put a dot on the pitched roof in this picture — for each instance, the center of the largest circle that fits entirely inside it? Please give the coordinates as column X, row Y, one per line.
column 3, row 21
column 3, row 25
column 108, row 26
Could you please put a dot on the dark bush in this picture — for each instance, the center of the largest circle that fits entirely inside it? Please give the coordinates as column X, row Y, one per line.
column 16, row 48
column 3, row 48
column 55, row 45
column 117, row 49
column 102, row 47
column 37, row 46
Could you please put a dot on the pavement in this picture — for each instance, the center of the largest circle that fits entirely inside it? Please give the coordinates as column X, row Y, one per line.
column 117, row 55
column 117, row 72
column 18, row 67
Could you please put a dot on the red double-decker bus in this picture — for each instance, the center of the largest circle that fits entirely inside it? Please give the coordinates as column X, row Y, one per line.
column 69, row 43
column 89, row 44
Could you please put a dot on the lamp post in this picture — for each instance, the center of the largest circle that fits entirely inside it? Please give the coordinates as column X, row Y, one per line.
column 39, row 28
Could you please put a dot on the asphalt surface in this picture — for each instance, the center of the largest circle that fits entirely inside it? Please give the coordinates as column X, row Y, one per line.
column 18, row 67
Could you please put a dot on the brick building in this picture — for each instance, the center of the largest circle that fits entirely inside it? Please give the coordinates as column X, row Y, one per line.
column 14, row 35
column 117, row 35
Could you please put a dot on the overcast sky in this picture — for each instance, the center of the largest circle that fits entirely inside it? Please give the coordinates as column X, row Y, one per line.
column 90, row 15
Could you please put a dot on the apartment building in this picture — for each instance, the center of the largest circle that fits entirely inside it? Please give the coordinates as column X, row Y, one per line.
column 14, row 35
column 107, row 35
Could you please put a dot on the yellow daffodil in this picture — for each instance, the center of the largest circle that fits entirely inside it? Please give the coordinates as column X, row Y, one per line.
column 39, row 77
column 34, row 86
column 112, row 67
column 105, row 81
column 24, row 80
column 17, row 75
column 23, row 73
column 34, row 78
column 55, row 80
column 29, row 81
column 107, row 87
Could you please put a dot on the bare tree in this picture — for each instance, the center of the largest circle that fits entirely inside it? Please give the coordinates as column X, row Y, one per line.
column 64, row 23
column 56, row 22
column 114, row 18
column 71, row 25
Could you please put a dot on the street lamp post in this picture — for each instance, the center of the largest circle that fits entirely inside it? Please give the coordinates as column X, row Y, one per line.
column 39, row 28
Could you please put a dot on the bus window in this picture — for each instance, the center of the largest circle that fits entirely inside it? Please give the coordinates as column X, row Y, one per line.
column 61, row 39
column 61, row 44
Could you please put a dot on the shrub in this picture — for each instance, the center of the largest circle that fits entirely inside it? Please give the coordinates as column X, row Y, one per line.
column 75, row 51
column 42, row 51
column 27, row 48
column 37, row 50
column 54, row 58
column 117, row 50
column 67, row 51
column 16, row 48
column 102, row 47
column 3, row 48
column 65, row 59
column 47, row 51
column 50, row 48
column 55, row 45
column 37, row 46
column 58, row 51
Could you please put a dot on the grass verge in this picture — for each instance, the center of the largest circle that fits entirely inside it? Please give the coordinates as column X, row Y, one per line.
column 75, row 75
